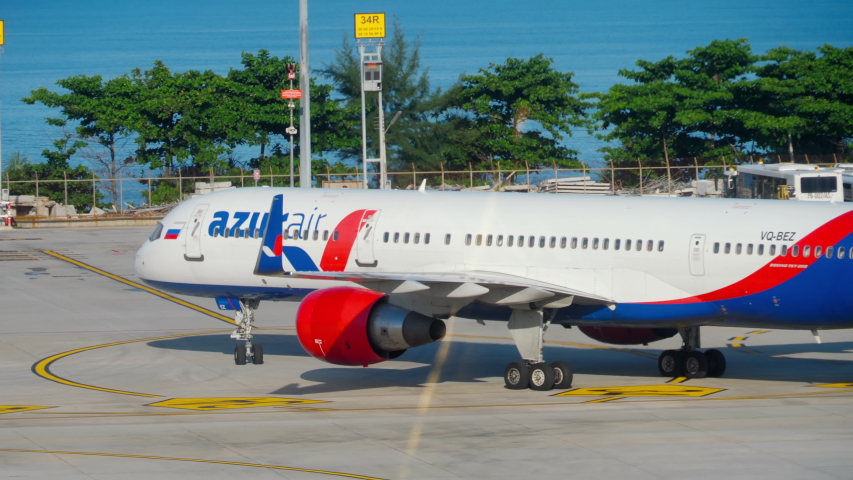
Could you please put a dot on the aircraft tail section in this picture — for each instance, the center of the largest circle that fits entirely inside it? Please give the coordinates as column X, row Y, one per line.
column 270, row 260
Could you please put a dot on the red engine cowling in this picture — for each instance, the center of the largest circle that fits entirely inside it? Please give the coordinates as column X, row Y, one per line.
column 627, row 335
column 355, row 326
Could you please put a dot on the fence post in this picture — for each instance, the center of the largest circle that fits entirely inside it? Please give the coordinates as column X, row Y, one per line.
column 272, row 182
column 807, row 159
column 65, row 184
column 210, row 173
column 37, row 194
column 471, row 175
column 180, row 186
column 414, row 177
column 834, row 159
column 556, row 176
column 696, row 162
column 612, row 178
column 527, row 174
column 500, row 176
column 149, row 187
column 641, row 175
column 94, row 195
column 121, row 191
column 442, row 175
column 242, row 184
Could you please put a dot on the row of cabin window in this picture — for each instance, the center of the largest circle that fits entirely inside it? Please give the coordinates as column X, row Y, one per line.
column 288, row 234
column 584, row 242
column 807, row 251
column 414, row 237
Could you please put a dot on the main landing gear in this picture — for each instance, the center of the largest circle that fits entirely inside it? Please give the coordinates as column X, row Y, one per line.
column 688, row 361
column 528, row 330
column 245, row 318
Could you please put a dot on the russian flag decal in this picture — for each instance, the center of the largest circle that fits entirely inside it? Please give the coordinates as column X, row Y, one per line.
column 172, row 233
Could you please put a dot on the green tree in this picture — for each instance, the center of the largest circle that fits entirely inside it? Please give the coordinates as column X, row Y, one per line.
column 709, row 103
column 519, row 112
column 16, row 161
column 265, row 114
column 804, row 101
column 186, row 119
column 53, row 173
column 105, row 116
column 405, row 89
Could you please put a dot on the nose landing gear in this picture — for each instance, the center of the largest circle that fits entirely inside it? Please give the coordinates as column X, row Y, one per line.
column 245, row 318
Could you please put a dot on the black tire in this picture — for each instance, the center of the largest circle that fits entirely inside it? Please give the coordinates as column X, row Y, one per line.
column 695, row 364
column 240, row 355
column 669, row 363
column 716, row 363
column 541, row 377
column 258, row 354
column 516, row 376
column 563, row 375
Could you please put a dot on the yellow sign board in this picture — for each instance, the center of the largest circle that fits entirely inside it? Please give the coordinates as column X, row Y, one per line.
column 208, row 404
column 668, row 390
column 369, row 25
column 2, row 33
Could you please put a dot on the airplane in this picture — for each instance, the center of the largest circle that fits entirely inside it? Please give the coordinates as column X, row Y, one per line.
column 378, row 271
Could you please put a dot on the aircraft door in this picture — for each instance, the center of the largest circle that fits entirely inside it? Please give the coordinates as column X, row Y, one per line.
column 697, row 254
column 192, row 247
column 366, row 235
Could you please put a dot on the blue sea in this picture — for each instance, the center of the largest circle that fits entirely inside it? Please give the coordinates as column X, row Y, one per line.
column 49, row 39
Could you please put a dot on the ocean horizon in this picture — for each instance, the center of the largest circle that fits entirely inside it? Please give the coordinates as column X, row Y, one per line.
column 47, row 40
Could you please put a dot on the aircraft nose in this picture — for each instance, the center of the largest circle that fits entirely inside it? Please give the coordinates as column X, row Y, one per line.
column 139, row 261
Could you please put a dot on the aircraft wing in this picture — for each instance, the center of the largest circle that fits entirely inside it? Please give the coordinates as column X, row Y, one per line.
column 491, row 287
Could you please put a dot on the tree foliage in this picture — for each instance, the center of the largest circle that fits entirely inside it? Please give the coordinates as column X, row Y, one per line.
column 520, row 112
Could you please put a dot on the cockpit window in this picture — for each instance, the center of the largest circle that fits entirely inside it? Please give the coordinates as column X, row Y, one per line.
column 156, row 233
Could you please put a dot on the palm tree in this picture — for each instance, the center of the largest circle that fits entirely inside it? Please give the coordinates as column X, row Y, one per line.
column 17, row 161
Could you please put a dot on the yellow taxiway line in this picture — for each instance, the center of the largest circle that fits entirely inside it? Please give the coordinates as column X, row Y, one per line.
column 42, row 367
column 195, row 460
column 133, row 284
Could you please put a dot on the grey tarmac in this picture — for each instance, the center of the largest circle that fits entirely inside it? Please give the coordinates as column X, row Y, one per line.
column 784, row 409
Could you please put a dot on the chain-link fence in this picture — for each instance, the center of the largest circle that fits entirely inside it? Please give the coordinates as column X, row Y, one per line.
column 144, row 189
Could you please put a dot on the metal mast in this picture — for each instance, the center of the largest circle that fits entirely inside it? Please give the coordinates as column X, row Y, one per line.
column 304, row 84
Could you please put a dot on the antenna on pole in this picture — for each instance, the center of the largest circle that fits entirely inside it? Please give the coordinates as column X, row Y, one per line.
column 304, row 84
column 4, row 193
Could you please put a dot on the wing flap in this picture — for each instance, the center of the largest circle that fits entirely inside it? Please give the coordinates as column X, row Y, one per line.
column 506, row 289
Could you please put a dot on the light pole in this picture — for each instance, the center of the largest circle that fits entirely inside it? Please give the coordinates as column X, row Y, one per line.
column 304, row 84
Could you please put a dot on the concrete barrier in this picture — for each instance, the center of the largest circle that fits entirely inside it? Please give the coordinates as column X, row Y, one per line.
column 107, row 221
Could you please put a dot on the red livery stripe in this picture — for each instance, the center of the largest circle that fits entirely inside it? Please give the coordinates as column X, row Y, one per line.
column 780, row 269
column 336, row 254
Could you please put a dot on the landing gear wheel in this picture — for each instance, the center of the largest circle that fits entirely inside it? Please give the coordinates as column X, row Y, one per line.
column 669, row 363
column 562, row 375
column 258, row 354
column 716, row 363
column 240, row 355
column 516, row 376
column 541, row 377
column 695, row 364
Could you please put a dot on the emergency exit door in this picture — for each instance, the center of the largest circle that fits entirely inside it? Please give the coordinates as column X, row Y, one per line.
column 366, row 234
column 697, row 254
column 192, row 249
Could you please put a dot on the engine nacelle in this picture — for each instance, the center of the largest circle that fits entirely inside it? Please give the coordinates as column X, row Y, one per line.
column 355, row 326
column 627, row 335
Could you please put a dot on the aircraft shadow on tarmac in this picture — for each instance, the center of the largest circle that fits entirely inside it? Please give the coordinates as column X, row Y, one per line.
column 475, row 361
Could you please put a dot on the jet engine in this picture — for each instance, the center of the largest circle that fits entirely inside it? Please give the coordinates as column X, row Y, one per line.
column 355, row 326
column 627, row 335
